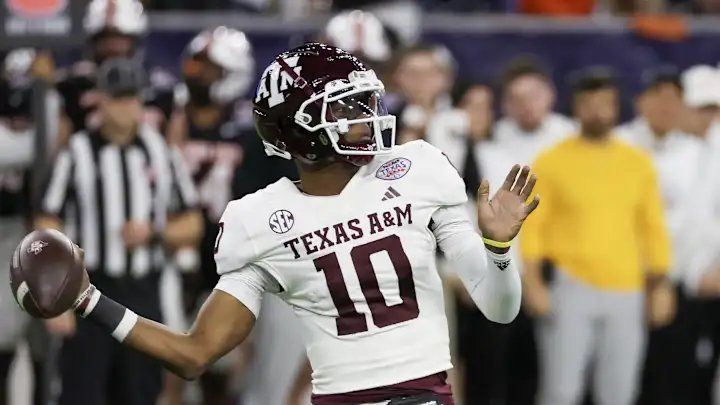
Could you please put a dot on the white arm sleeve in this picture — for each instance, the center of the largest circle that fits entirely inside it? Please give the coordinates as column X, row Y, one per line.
column 248, row 285
column 491, row 279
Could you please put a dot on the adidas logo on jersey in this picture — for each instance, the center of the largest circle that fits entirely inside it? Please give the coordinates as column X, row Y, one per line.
column 390, row 194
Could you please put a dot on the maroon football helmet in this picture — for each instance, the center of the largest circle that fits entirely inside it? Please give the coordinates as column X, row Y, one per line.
column 309, row 97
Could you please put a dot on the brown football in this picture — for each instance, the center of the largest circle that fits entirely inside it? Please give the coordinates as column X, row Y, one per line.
column 46, row 273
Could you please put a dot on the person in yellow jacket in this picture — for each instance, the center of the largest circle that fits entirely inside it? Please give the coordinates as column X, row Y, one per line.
column 601, row 228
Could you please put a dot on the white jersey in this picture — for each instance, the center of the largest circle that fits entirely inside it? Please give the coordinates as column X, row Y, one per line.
column 357, row 268
column 526, row 146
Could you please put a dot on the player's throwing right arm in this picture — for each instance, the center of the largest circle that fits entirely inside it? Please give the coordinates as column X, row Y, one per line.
column 222, row 324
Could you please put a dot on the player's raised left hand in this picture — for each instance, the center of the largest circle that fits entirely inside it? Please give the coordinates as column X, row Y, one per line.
column 501, row 217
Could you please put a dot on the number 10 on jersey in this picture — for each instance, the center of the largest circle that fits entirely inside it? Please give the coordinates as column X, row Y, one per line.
column 350, row 321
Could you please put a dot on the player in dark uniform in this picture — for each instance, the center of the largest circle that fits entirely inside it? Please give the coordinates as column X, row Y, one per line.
column 212, row 124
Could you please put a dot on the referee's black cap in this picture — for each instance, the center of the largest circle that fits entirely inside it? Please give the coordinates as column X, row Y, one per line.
column 121, row 77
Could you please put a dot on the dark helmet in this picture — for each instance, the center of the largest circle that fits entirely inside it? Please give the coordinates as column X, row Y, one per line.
column 309, row 97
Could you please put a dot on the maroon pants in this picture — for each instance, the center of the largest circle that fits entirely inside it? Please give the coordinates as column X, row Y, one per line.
column 434, row 384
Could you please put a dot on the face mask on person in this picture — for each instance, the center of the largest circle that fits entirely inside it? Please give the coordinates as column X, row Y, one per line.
column 199, row 93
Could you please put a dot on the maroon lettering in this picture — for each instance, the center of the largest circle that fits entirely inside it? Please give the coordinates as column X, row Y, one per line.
column 406, row 213
column 349, row 320
column 291, row 244
column 388, row 219
column 340, row 234
column 375, row 226
column 357, row 231
column 382, row 314
column 324, row 242
column 307, row 242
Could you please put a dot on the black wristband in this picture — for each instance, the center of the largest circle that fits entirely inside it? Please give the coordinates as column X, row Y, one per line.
column 112, row 316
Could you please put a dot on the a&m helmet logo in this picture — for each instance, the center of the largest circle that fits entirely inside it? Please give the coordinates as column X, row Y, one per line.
column 393, row 169
column 281, row 221
column 36, row 247
column 275, row 82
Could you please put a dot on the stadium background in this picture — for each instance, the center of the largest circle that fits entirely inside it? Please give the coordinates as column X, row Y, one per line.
column 483, row 36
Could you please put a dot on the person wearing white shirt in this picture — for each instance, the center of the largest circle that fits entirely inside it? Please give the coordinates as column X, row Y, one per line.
column 462, row 134
column 529, row 124
column 676, row 156
column 528, row 127
column 423, row 77
column 700, row 249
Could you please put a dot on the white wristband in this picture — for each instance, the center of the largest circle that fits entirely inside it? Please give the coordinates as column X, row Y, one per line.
column 126, row 324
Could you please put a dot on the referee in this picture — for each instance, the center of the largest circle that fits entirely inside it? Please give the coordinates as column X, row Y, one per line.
column 124, row 196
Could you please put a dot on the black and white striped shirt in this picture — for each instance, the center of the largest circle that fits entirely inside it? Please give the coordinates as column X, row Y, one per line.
column 97, row 186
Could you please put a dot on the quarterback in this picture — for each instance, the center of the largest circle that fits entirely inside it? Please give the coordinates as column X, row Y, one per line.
column 351, row 247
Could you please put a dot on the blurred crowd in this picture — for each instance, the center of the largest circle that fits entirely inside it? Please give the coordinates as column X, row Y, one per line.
column 621, row 264
column 537, row 7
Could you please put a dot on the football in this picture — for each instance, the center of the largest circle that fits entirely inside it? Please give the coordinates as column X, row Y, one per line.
column 46, row 273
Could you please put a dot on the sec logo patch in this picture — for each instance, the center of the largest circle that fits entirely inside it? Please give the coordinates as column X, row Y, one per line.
column 281, row 221
column 393, row 169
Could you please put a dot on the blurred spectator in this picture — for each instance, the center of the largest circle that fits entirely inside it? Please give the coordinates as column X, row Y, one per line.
column 17, row 151
column 529, row 124
column 213, row 125
column 602, row 228
column 667, row 374
column 122, row 195
column 462, row 133
column 423, row 75
column 115, row 29
column 209, row 123
column 700, row 244
column 528, row 127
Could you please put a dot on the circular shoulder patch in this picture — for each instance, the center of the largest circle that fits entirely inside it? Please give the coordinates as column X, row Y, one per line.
column 281, row 221
column 394, row 169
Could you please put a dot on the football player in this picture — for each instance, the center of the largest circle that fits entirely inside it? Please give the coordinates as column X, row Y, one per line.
column 350, row 247
column 213, row 125
column 210, row 119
